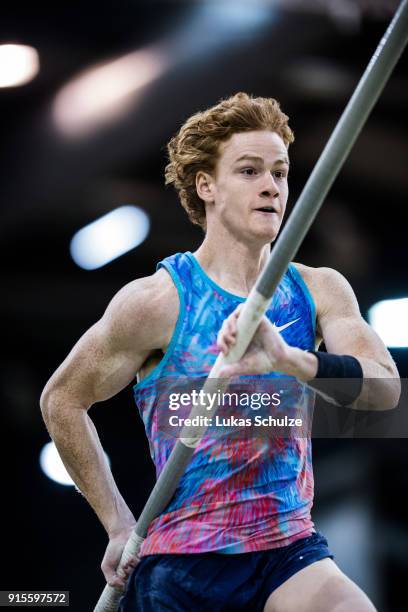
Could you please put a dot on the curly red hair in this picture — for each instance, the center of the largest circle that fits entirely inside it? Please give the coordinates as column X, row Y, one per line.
column 196, row 145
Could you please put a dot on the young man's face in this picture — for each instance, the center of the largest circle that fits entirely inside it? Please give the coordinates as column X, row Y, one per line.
column 250, row 187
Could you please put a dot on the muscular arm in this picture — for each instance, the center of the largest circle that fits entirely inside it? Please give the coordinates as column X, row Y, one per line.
column 345, row 332
column 106, row 359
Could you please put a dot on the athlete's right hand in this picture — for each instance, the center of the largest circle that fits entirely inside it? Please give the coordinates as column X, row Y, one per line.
column 112, row 557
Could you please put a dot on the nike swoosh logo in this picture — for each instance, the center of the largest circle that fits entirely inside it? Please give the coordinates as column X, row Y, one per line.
column 282, row 327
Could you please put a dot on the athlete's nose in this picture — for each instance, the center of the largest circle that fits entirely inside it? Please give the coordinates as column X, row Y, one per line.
column 270, row 188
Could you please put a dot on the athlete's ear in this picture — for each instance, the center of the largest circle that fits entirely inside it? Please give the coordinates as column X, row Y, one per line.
column 205, row 186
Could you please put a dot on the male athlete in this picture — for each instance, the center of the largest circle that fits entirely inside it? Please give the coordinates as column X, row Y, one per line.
column 237, row 534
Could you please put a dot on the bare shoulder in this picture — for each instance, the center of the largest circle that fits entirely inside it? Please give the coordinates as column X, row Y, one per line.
column 327, row 279
column 147, row 308
column 137, row 322
column 330, row 290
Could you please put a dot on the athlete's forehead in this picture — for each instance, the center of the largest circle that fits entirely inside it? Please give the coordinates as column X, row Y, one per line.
column 262, row 146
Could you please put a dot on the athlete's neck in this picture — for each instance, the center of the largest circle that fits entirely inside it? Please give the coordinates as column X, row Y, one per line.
column 235, row 268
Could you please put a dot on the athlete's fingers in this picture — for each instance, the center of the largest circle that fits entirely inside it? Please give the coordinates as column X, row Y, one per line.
column 232, row 326
column 230, row 332
column 227, row 334
column 237, row 311
column 221, row 344
column 122, row 573
column 111, row 575
column 233, row 323
column 114, row 580
column 225, row 342
column 130, row 564
column 134, row 560
column 128, row 569
column 224, row 339
column 116, row 576
column 233, row 318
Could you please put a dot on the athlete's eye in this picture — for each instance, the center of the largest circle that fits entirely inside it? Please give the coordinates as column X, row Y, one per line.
column 248, row 171
column 279, row 174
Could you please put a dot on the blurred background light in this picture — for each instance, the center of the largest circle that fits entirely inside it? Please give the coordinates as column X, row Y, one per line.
column 389, row 319
column 237, row 13
column 319, row 77
column 103, row 93
column 110, row 236
column 106, row 93
column 19, row 64
column 219, row 23
column 52, row 466
column 347, row 14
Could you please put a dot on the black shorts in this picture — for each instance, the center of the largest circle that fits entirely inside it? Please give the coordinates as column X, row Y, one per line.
column 217, row 582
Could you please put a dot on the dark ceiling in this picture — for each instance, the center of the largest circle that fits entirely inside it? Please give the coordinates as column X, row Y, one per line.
column 309, row 59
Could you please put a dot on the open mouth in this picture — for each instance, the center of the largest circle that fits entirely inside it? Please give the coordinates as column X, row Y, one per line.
column 266, row 209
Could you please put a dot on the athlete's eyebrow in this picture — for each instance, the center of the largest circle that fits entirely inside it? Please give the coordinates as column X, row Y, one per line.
column 283, row 161
column 258, row 158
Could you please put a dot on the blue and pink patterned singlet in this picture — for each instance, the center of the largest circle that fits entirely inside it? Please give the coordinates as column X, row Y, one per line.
column 237, row 495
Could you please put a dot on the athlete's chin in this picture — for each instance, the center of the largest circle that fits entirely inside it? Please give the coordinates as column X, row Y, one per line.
column 259, row 240
column 266, row 234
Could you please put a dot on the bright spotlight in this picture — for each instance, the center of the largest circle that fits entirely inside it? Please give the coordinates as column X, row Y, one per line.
column 103, row 93
column 19, row 64
column 238, row 14
column 218, row 23
column 107, row 238
column 389, row 319
column 53, row 467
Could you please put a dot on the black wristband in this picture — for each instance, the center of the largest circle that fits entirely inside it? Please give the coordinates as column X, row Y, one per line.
column 340, row 377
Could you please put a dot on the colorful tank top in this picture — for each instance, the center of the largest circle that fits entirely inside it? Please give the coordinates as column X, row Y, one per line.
column 237, row 494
